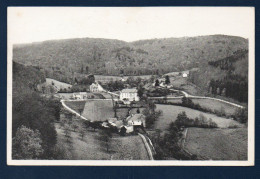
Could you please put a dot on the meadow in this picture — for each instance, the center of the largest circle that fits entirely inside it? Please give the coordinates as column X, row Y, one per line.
column 78, row 106
column 170, row 113
column 58, row 84
column 217, row 144
column 215, row 105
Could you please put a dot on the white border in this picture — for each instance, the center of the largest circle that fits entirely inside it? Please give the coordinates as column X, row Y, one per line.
column 251, row 126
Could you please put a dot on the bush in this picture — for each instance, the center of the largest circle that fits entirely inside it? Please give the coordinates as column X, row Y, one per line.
column 201, row 121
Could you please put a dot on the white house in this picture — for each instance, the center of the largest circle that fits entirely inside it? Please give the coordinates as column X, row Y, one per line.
column 95, row 87
column 80, row 95
column 185, row 75
column 129, row 95
column 136, row 120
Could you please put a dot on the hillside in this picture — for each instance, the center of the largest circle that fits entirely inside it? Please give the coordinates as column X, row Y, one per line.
column 34, row 112
column 63, row 60
column 26, row 79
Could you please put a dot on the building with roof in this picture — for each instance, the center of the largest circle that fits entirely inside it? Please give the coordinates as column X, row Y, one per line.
column 129, row 95
column 80, row 95
column 136, row 120
column 96, row 87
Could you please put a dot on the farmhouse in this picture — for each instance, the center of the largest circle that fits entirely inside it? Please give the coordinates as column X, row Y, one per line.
column 136, row 120
column 95, row 87
column 80, row 95
column 129, row 95
column 185, row 74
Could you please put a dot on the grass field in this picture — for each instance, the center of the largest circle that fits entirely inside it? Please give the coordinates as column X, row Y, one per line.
column 76, row 105
column 215, row 105
column 58, row 84
column 217, row 144
column 98, row 110
column 170, row 113
column 89, row 148
column 182, row 83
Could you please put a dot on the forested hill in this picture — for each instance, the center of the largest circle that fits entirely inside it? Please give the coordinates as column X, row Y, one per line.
column 33, row 132
column 64, row 58
column 26, row 79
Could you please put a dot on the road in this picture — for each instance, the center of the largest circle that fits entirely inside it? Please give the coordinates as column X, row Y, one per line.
column 197, row 97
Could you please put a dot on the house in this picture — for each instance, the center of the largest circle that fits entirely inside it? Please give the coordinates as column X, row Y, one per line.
column 96, row 87
column 80, row 95
column 129, row 95
column 123, row 79
column 136, row 120
column 184, row 75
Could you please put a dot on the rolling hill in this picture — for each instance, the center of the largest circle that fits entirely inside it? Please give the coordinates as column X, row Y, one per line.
column 114, row 57
column 216, row 57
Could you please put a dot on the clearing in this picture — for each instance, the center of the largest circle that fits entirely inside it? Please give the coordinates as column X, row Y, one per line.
column 170, row 113
column 217, row 144
column 58, row 84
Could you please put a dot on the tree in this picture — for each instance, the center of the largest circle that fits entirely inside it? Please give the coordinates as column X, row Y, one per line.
column 167, row 79
column 27, row 144
column 138, row 111
column 122, row 131
column 82, row 132
column 94, row 125
column 87, row 68
column 157, row 83
column 81, row 69
column 241, row 115
column 140, row 92
column 76, row 80
column 152, row 78
column 105, row 138
column 67, row 132
column 74, row 126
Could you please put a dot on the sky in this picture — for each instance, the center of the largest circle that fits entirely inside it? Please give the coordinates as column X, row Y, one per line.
column 34, row 24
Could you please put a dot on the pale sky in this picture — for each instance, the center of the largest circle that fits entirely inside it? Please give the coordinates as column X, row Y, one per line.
column 33, row 24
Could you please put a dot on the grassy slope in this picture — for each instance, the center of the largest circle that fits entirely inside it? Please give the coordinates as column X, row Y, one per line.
column 215, row 105
column 58, row 84
column 218, row 144
column 88, row 148
column 170, row 113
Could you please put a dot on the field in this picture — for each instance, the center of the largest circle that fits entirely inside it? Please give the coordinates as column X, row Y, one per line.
column 98, row 110
column 170, row 113
column 217, row 144
column 89, row 148
column 215, row 105
column 78, row 106
column 182, row 83
column 58, row 84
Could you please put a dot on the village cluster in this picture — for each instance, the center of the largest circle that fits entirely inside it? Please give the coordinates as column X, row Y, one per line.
column 126, row 97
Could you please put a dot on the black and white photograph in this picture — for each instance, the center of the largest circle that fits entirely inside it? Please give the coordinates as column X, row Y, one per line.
column 131, row 86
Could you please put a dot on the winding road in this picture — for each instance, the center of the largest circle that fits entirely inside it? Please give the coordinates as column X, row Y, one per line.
column 197, row 97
